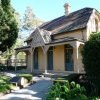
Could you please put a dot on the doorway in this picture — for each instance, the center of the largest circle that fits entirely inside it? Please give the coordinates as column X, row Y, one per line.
column 69, row 66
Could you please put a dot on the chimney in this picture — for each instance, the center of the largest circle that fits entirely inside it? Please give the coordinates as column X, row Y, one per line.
column 67, row 9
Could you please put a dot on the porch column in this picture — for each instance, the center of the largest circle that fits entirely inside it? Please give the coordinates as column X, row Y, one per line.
column 75, row 46
column 26, row 59
column 75, row 54
column 16, row 52
column 31, row 60
column 45, row 49
column 45, row 62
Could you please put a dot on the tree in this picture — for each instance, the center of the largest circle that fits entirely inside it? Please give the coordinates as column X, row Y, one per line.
column 19, row 41
column 30, row 21
column 29, row 16
column 91, row 57
column 8, row 26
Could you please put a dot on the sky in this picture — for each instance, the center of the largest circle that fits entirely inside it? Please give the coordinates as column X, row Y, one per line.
column 50, row 9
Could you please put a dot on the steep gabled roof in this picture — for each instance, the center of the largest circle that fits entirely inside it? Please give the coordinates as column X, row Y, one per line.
column 75, row 20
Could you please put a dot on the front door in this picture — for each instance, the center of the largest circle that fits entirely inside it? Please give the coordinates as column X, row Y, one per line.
column 36, row 58
column 50, row 58
column 69, row 66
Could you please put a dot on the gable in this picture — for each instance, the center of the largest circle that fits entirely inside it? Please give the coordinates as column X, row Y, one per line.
column 37, row 39
column 93, row 24
column 46, row 35
column 40, row 37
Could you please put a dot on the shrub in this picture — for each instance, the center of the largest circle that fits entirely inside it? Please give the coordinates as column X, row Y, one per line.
column 91, row 55
column 70, row 78
column 27, row 76
column 4, row 84
column 4, row 88
column 91, row 58
column 12, row 68
column 68, row 91
column 3, row 68
column 60, row 81
column 82, row 79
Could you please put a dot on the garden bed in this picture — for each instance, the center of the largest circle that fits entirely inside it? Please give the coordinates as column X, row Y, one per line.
column 23, row 80
column 6, row 86
column 83, row 80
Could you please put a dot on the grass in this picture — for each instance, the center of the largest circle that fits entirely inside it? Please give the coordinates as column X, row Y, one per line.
column 27, row 76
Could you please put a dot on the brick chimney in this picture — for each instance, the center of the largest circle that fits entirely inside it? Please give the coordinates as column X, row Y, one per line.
column 67, row 9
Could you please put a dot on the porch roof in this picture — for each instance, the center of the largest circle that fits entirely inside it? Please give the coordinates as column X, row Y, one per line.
column 23, row 48
column 53, row 42
column 62, row 40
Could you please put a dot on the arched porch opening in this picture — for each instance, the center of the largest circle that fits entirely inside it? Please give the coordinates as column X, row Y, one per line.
column 22, row 56
column 21, row 59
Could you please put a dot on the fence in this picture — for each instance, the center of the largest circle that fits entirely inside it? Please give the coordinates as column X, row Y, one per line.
column 13, row 62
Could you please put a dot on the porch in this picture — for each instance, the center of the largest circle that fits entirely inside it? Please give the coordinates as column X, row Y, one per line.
column 58, row 57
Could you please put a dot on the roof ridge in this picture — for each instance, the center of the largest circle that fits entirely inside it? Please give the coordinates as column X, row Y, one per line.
column 45, row 23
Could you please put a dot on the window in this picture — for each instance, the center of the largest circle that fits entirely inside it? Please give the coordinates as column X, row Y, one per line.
column 50, row 58
column 69, row 66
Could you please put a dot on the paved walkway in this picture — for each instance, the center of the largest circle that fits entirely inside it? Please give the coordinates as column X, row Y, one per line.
column 36, row 91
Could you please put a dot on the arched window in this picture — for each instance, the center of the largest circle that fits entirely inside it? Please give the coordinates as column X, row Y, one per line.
column 96, row 25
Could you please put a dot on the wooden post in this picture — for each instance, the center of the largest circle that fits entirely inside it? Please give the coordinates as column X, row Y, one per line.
column 32, row 61
column 45, row 60
column 32, row 52
column 75, row 53
column 45, row 49
column 15, row 61
column 75, row 46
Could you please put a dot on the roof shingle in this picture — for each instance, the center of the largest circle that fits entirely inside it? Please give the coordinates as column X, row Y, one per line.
column 75, row 20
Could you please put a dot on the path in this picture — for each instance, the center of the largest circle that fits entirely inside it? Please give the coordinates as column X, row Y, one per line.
column 36, row 91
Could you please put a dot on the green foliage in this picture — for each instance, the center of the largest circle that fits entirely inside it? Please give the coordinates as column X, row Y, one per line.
column 8, row 26
column 2, row 67
column 8, row 54
column 91, row 58
column 4, row 84
column 70, row 78
column 67, row 91
column 60, row 80
column 27, row 76
column 94, row 98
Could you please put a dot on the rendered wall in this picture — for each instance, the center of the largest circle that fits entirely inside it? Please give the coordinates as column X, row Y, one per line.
column 79, row 34
column 29, row 60
column 59, row 58
column 93, row 22
column 41, row 59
